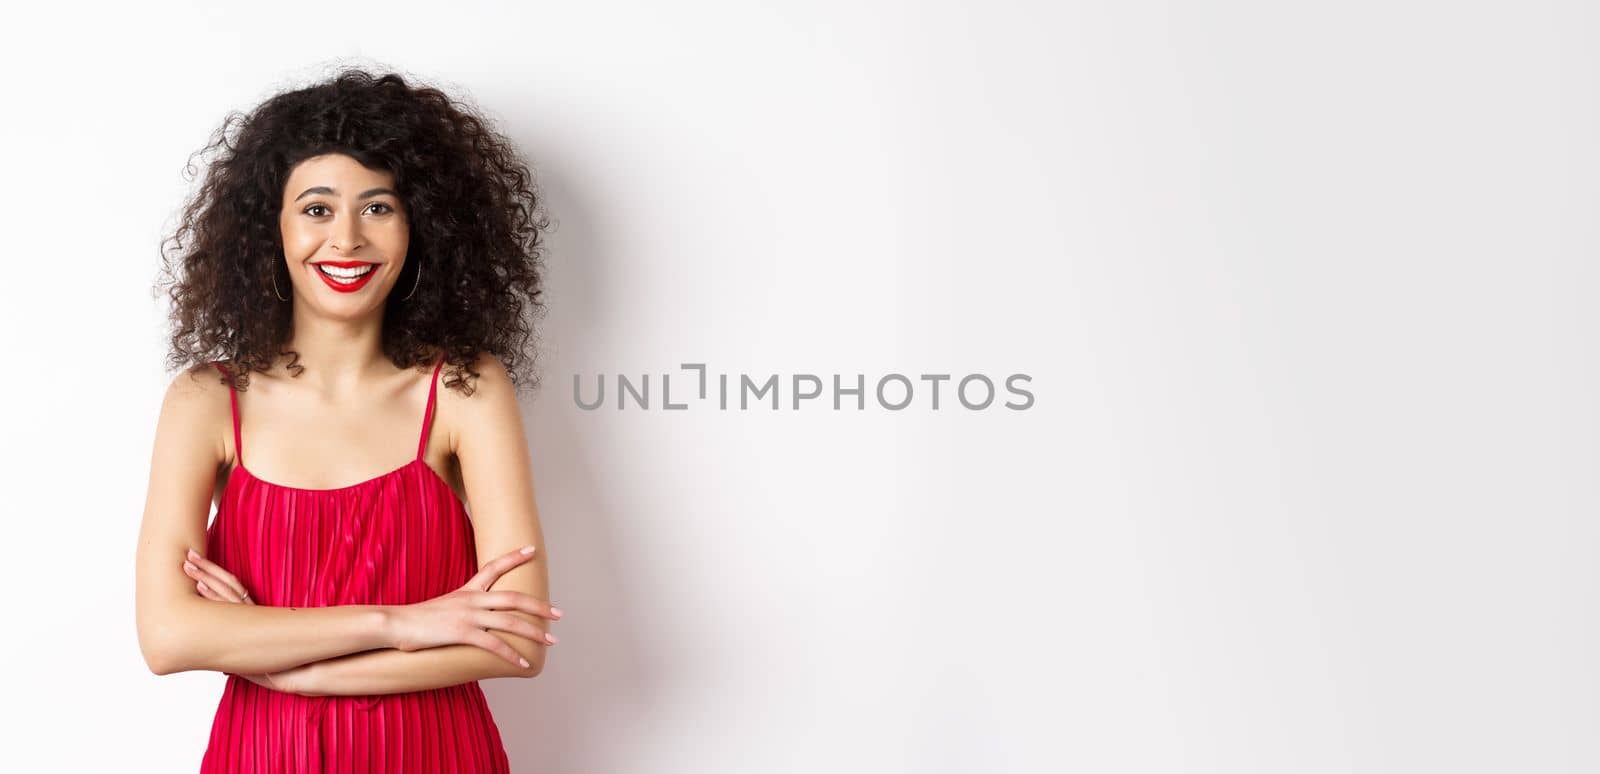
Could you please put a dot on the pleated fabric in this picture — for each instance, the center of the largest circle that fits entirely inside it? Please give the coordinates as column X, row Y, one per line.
column 399, row 538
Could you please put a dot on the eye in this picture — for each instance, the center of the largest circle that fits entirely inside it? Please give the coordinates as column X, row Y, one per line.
column 386, row 208
column 308, row 210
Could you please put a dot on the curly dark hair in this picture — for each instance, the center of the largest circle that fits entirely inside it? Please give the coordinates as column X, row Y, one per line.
column 476, row 226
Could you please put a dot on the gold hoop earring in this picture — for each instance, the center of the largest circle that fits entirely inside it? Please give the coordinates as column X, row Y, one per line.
column 415, row 283
column 275, row 290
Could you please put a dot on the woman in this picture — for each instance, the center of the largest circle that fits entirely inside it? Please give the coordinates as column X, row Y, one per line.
column 349, row 241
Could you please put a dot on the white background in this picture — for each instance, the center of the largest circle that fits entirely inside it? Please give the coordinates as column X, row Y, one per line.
column 1304, row 290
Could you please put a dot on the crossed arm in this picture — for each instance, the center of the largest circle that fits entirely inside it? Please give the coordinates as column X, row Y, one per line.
column 393, row 669
column 344, row 650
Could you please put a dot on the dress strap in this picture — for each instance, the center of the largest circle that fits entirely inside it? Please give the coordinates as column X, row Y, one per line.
column 427, row 414
column 233, row 402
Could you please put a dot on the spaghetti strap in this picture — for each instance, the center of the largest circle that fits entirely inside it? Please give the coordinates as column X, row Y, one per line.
column 233, row 402
column 427, row 414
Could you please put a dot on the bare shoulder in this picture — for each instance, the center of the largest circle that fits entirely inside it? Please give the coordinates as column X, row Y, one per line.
column 195, row 408
column 492, row 402
column 492, row 454
column 491, row 382
column 197, row 388
column 192, row 430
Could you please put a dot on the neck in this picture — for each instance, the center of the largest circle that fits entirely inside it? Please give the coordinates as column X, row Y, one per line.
column 339, row 355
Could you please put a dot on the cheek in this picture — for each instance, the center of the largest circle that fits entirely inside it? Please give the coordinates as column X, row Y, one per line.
column 298, row 241
column 396, row 240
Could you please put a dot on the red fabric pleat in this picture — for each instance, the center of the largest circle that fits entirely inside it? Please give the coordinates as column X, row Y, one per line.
column 399, row 538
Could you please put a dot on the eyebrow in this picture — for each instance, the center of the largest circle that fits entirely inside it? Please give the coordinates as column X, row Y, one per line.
column 367, row 194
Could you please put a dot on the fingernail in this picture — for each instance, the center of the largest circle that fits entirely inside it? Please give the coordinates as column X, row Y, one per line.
column 188, row 566
column 551, row 638
column 556, row 611
column 524, row 662
column 529, row 550
column 193, row 555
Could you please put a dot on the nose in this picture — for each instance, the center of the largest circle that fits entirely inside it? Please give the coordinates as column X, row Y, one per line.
column 346, row 235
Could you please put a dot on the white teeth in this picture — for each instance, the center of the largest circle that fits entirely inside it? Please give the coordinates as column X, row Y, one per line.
column 345, row 276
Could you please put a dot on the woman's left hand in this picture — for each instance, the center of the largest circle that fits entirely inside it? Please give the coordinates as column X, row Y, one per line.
column 218, row 584
column 213, row 582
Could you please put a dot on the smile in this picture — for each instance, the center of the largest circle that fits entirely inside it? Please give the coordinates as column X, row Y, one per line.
column 346, row 276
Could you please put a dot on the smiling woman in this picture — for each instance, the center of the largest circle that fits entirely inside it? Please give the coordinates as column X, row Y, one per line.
column 322, row 230
column 368, row 170
column 369, row 251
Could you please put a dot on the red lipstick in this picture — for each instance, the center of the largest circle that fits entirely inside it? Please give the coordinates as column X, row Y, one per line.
column 350, row 286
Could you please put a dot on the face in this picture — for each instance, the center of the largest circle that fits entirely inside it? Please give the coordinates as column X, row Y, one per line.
column 345, row 235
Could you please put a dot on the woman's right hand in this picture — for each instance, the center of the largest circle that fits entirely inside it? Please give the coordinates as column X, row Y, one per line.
column 466, row 615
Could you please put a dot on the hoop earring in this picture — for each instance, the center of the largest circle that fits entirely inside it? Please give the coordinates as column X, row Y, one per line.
column 414, row 283
column 275, row 290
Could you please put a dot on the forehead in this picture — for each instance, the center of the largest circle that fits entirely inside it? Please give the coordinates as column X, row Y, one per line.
column 331, row 169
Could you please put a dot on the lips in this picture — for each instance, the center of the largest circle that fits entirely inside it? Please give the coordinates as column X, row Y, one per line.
column 342, row 281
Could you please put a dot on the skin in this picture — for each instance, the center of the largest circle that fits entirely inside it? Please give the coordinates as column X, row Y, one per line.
column 193, row 614
column 215, row 583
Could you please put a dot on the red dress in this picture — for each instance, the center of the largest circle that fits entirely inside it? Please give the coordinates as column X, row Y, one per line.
column 400, row 538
